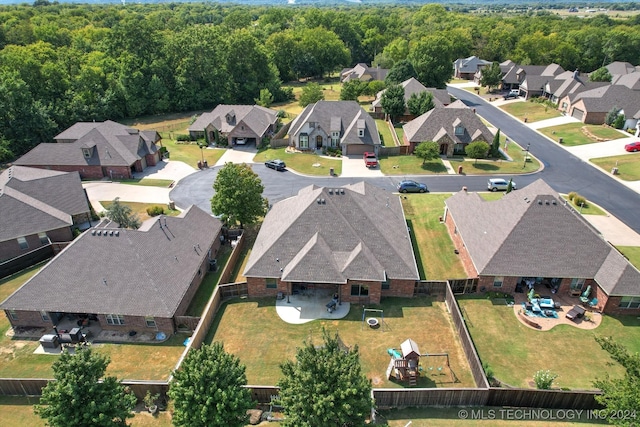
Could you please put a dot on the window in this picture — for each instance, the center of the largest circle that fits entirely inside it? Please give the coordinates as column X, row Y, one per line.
column 303, row 140
column 359, row 290
column 459, row 130
column 361, row 132
column 577, row 284
column 86, row 152
column 45, row 316
column 312, row 125
column 497, row 281
column 115, row 319
column 23, row 243
column 44, row 239
column 13, row 315
column 150, row 321
column 272, row 283
column 335, row 139
column 629, row 302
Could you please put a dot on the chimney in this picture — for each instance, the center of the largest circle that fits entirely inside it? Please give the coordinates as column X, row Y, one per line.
column 576, row 73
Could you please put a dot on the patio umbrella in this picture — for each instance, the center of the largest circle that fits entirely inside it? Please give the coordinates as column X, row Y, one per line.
column 530, row 294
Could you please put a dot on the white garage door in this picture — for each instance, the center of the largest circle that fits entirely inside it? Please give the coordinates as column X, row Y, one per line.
column 577, row 114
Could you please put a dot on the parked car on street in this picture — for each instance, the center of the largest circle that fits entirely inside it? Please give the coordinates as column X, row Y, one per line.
column 276, row 164
column 408, row 186
column 513, row 94
column 495, row 184
column 633, row 147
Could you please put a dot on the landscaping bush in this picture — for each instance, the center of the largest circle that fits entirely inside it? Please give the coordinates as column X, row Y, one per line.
column 183, row 137
column 155, row 210
column 544, row 379
column 579, row 201
column 571, row 195
column 618, row 123
column 333, row 152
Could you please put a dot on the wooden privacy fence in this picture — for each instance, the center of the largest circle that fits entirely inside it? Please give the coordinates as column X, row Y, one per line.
column 231, row 263
column 187, row 322
column 14, row 265
column 465, row 339
column 416, row 397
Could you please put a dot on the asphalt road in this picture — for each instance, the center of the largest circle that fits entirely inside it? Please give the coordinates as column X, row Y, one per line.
column 562, row 171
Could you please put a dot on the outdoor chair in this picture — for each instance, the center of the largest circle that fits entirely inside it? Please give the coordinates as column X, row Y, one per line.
column 593, row 302
column 585, row 295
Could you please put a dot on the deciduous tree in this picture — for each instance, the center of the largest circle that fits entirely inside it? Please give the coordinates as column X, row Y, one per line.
column 78, row 398
column 401, row 71
column 238, row 195
column 491, row 76
column 602, row 74
column 427, row 150
column 477, row 150
column 351, row 90
column 122, row 214
column 311, row 93
column 207, row 390
column 419, row 104
column 325, row 386
column 392, row 101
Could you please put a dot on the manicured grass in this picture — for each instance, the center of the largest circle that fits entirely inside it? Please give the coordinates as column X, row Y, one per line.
column 515, row 352
column 302, row 162
column 331, row 91
column 249, row 236
column 410, row 165
column 209, row 283
column 433, row 246
column 516, row 165
column 191, row 153
column 632, row 253
column 572, row 134
column 628, row 165
column 400, row 132
column 589, row 209
column 481, row 416
column 385, row 133
column 135, row 361
column 140, row 209
column 533, row 111
column 18, row 411
column 148, row 182
column 252, row 330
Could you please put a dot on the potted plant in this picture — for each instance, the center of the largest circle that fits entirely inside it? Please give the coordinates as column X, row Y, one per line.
column 150, row 402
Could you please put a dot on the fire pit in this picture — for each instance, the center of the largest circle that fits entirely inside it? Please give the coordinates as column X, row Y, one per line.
column 372, row 322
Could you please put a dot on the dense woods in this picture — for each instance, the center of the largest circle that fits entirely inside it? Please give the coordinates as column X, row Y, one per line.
column 62, row 63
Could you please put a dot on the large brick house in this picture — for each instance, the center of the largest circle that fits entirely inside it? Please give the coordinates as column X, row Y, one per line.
column 248, row 122
column 352, row 240
column 97, row 150
column 123, row 280
column 533, row 235
column 39, row 207
column 335, row 124
column 452, row 127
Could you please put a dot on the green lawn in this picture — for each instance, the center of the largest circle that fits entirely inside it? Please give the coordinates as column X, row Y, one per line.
column 399, row 131
column 432, row 245
column 589, row 209
column 515, row 352
column 385, row 133
column 147, row 182
column 135, row 361
column 573, row 134
column 305, row 163
column 632, row 253
column 480, row 416
column 140, row 209
column 190, row 153
column 209, row 283
column 252, row 330
column 409, row 165
column 628, row 165
column 533, row 111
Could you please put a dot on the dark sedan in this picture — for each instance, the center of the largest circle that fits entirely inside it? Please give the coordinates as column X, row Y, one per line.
column 408, row 186
column 276, row 164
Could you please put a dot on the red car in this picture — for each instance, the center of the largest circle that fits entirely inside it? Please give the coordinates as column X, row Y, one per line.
column 633, row 147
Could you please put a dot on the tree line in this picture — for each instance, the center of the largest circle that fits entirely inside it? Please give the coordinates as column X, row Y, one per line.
column 62, row 63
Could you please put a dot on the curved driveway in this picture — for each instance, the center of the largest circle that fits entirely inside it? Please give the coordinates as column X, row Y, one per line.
column 563, row 171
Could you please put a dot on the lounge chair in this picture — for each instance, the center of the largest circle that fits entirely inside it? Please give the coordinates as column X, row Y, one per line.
column 584, row 298
column 593, row 302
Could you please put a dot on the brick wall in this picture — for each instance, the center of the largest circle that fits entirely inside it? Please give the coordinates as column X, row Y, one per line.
column 469, row 268
column 399, row 288
column 138, row 324
column 193, row 288
column 10, row 248
column 611, row 306
column 257, row 287
column 28, row 319
column 116, row 172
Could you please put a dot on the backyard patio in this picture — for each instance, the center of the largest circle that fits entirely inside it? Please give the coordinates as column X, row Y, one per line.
column 554, row 313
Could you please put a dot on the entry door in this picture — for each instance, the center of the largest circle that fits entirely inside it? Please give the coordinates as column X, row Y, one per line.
column 443, row 149
column 319, row 141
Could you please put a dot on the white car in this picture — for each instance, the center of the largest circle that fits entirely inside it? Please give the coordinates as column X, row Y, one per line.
column 241, row 141
column 496, row 184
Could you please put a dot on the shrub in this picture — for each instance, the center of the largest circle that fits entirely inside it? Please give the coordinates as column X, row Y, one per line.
column 183, row 137
column 618, row 123
column 571, row 195
column 544, row 379
column 579, row 201
column 155, row 210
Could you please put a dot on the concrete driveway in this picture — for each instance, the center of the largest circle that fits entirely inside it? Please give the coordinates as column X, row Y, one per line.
column 353, row 166
column 167, row 169
column 107, row 191
column 238, row 154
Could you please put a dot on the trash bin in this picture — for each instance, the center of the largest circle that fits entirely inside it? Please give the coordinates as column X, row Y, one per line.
column 206, row 165
column 331, row 171
column 614, row 171
column 199, row 164
column 560, row 140
column 460, row 170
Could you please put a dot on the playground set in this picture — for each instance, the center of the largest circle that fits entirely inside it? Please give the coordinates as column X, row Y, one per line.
column 405, row 363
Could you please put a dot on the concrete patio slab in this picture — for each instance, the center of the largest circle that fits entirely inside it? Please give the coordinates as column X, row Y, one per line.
column 303, row 308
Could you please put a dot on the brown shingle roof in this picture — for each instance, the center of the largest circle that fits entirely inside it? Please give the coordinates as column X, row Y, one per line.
column 257, row 118
column 358, row 232
column 128, row 272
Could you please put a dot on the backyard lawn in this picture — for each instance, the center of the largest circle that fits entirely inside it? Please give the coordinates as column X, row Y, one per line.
column 515, row 352
column 533, row 111
column 209, row 283
column 431, row 242
column 628, row 165
column 140, row 209
column 305, row 163
column 632, row 253
column 252, row 330
column 574, row 134
column 385, row 133
column 134, row 361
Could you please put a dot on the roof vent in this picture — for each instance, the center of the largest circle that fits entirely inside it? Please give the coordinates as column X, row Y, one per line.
column 553, row 202
column 99, row 232
column 93, row 232
column 318, row 201
column 342, row 191
column 539, row 202
column 117, row 233
column 323, row 201
column 546, row 202
column 331, row 191
column 111, row 233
